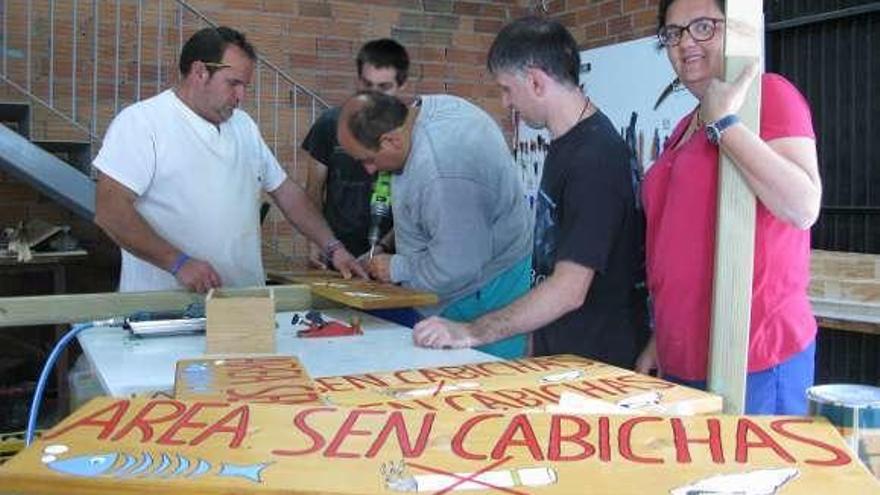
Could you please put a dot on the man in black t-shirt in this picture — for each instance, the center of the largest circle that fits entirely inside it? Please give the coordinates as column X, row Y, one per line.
column 586, row 256
column 337, row 182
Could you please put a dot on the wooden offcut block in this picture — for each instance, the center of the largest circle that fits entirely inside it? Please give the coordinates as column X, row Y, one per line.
column 243, row 323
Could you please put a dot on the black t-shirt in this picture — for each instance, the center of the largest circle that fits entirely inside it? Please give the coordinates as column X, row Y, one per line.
column 348, row 186
column 586, row 214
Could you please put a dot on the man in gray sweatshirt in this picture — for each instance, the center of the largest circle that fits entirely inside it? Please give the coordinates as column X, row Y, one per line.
column 461, row 223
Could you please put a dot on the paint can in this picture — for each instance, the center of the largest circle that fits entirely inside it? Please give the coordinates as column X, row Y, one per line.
column 855, row 411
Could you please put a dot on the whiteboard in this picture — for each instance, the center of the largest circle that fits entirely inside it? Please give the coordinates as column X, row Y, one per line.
column 629, row 77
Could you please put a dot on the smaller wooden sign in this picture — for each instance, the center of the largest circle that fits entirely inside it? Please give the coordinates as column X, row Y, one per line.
column 243, row 323
column 548, row 383
column 257, row 380
column 359, row 293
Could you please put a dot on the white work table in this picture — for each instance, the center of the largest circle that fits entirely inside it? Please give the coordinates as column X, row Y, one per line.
column 128, row 365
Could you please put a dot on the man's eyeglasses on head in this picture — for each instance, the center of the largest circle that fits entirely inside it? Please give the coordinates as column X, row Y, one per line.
column 700, row 29
column 217, row 65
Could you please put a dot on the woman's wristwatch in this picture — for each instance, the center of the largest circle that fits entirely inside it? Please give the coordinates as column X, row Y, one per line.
column 714, row 130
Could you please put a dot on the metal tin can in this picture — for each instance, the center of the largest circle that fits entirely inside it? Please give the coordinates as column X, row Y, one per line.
column 855, row 411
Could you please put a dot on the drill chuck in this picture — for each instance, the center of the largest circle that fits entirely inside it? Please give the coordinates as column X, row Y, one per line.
column 378, row 213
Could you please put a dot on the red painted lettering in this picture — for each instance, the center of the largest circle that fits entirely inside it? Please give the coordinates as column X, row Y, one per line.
column 299, row 421
column 681, row 439
column 520, row 397
column 361, row 382
column 346, row 430
column 142, row 422
column 554, row 449
column 118, row 409
column 167, row 438
column 397, row 424
column 462, row 433
column 518, row 425
column 590, row 388
column 624, row 441
column 841, row 457
column 491, row 402
column 329, row 386
column 402, row 376
column 450, row 400
column 239, row 416
column 745, row 426
column 604, row 439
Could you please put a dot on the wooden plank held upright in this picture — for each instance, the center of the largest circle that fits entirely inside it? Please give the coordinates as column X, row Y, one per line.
column 735, row 234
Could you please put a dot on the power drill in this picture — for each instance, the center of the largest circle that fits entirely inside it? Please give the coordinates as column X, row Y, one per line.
column 380, row 208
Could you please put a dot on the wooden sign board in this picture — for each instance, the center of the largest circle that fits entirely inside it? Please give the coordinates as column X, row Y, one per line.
column 136, row 446
column 257, row 380
column 542, row 383
column 240, row 323
column 362, row 294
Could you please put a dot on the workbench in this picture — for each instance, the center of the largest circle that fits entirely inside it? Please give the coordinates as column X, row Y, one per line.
column 128, row 365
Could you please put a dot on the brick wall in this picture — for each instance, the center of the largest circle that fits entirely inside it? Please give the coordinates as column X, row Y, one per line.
column 597, row 23
column 314, row 41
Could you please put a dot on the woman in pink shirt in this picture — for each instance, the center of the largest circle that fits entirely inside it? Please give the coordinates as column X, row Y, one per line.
column 680, row 193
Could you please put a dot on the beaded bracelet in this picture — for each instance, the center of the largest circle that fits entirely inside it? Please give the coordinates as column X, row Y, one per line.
column 330, row 248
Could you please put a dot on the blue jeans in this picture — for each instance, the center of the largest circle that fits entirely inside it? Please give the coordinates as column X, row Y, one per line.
column 498, row 293
column 781, row 389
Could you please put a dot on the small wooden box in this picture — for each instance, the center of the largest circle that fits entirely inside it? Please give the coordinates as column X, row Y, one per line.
column 240, row 324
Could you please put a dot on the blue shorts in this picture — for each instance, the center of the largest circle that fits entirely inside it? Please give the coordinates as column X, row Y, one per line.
column 781, row 389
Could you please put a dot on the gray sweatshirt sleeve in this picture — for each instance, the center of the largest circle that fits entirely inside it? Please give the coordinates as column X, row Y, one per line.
column 454, row 213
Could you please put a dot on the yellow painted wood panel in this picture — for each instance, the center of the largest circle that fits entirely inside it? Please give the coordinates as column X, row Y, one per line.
column 257, row 380
column 522, row 384
column 359, row 293
column 140, row 446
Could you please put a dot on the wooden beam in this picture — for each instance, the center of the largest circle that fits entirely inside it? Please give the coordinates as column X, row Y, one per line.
column 71, row 308
column 735, row 235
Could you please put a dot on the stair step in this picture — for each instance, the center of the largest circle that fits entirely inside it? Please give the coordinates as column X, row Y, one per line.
column 76, row 153
column 17, row 116
column 27, row 162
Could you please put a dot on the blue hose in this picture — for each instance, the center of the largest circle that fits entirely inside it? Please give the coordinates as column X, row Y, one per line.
column 44, row 377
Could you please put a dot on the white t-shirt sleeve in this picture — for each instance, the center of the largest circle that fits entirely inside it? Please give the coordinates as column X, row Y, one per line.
column 128, row 153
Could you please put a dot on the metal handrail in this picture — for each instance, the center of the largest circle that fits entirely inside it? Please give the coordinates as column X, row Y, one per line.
column 31, row 59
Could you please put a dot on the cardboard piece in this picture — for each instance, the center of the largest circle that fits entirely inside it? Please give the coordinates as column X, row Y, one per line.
column 522, row 384
column 137, row 446
column 243, row 323
column 257, row 380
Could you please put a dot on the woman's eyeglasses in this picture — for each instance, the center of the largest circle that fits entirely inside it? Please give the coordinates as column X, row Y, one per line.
column 700, row 29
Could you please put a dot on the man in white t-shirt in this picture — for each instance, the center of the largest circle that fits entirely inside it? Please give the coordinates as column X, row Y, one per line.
column 181, row 175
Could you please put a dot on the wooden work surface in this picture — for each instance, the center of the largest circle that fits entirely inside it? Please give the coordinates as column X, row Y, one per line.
column 259, row 380
column 549, row 383
column 845, row 290
column 142, row 446
column 357, row 293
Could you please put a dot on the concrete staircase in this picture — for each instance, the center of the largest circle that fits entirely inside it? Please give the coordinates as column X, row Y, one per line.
column 58, row 169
